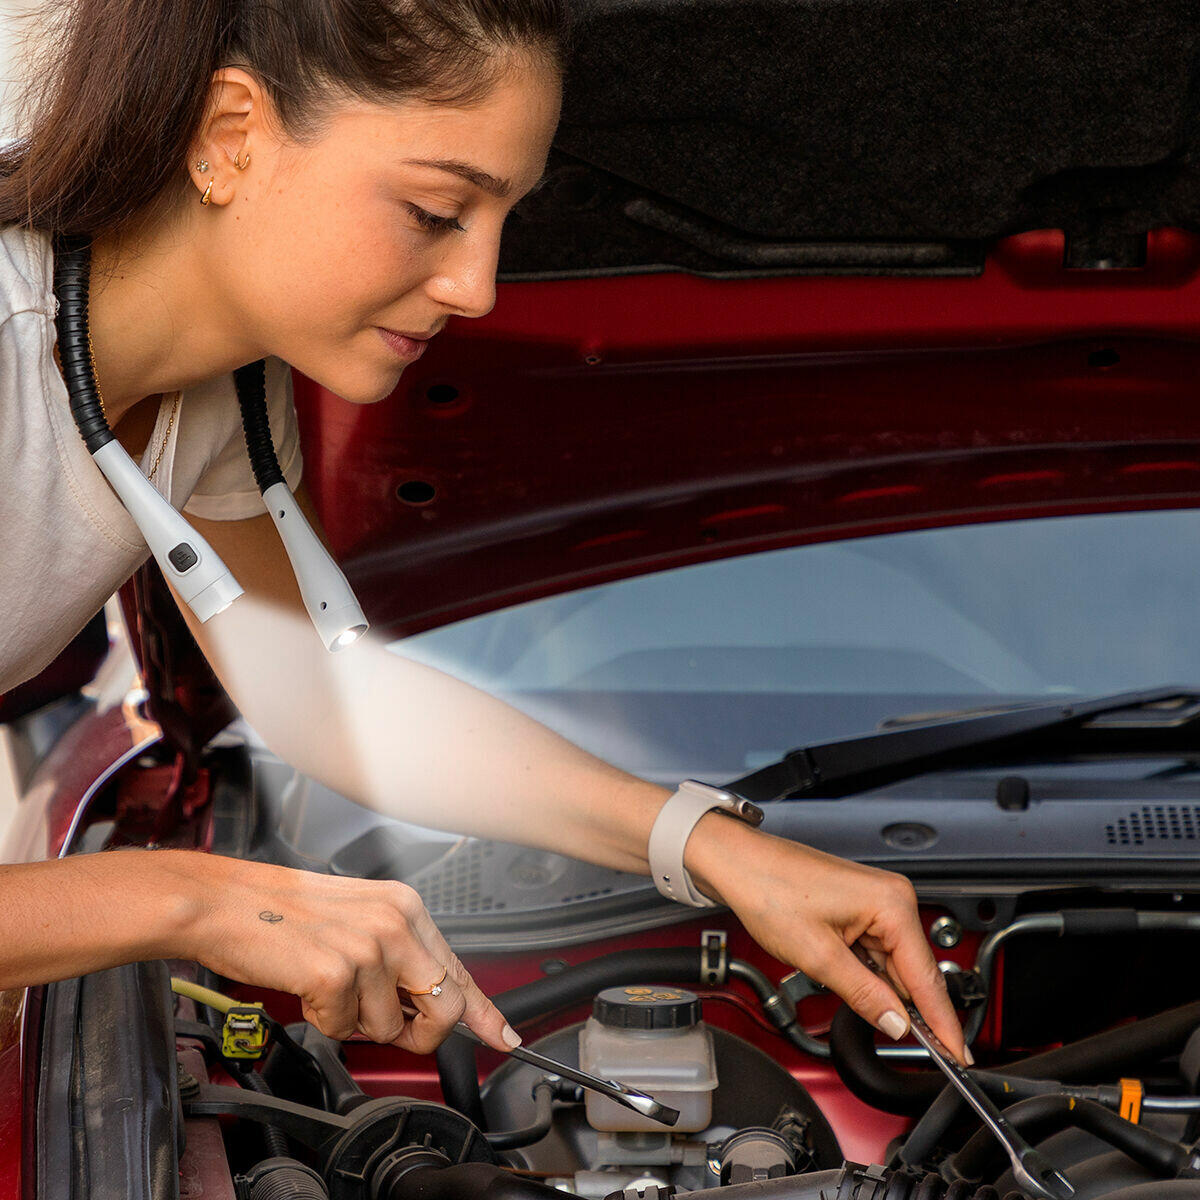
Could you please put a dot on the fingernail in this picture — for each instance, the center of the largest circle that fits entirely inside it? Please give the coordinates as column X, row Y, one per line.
column 510, row 1037
column 894, row 1025
column 968, row 1056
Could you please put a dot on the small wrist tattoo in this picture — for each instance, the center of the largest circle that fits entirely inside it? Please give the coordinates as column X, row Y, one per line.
column 273, row 917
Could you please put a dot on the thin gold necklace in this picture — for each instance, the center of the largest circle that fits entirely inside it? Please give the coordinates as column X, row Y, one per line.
column 170, row 423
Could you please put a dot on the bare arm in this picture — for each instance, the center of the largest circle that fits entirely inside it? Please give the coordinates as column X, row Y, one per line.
column 343, row 946
column 417, row 744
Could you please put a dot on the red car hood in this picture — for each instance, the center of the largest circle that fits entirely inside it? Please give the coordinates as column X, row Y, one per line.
column 589, row 429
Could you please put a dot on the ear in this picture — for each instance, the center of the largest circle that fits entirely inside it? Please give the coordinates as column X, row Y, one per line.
column 239, row 118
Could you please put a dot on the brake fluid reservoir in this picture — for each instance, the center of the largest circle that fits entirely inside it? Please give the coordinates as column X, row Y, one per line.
column 650, row 1038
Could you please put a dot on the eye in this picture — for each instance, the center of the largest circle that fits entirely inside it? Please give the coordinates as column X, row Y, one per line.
column 432, row 223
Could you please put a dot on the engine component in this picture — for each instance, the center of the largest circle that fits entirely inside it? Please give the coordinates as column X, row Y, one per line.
column 765, row 1099
column 457, row 1072
column 652, row 1038
column 612, row 1089
column 244, row 1033
column 1121, row 1051
column 281, row 1179
column 751, row 1155
column 1067, row 922
column 1042, row 1115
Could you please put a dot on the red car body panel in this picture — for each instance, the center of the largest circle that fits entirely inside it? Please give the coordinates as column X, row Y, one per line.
column 591, row 429
column 734, row 416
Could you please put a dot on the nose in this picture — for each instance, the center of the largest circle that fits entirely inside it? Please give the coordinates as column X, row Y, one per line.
column 465, row 280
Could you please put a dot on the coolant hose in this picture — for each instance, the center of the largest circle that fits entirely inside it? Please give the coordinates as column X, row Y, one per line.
column 511, row 1139
column 1040, row 1116
column 1103, row 1056
column 282, row 1179
column 276, row 1143
column 457, row 1072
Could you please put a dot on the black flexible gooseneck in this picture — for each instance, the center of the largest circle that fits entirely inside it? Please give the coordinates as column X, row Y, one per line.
column 189, row 563
column 72, row 271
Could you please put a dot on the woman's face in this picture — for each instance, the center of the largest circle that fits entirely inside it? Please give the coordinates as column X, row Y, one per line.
column 328, row 244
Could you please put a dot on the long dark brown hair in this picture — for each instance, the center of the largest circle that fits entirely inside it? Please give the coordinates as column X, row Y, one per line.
column 119, row 89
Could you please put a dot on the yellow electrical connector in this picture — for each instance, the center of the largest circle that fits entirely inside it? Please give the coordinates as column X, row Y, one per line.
column 244, row 1034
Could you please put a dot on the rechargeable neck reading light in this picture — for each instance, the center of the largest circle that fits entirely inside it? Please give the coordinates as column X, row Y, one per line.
column 189, row 563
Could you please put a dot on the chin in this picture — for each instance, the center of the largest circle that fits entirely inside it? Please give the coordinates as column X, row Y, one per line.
column 362, row 386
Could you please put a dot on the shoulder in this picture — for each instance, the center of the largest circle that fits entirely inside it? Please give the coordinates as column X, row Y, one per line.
column 26, row 272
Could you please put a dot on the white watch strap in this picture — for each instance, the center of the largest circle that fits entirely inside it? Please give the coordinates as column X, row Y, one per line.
column 672, row 828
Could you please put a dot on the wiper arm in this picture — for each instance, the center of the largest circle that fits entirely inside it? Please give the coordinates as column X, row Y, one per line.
column 857, row 764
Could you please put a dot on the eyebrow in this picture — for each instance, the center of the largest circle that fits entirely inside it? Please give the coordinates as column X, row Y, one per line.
column 500, row 188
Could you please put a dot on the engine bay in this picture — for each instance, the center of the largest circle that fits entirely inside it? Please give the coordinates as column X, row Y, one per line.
column 764, row 1110
column 1075, row 996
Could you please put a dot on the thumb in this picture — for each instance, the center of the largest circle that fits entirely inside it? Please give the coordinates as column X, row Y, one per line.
column 867, row 993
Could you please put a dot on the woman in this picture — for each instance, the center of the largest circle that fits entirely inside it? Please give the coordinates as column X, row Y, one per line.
column 293, row 182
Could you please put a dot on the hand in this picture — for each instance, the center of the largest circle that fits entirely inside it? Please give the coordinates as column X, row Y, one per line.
column 350, row 949
column 808, row 909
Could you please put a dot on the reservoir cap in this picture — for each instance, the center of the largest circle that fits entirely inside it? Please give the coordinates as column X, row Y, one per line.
column 647, row 1007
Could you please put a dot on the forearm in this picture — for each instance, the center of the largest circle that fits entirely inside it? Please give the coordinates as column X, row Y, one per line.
column 65, row 918
column 420, row 745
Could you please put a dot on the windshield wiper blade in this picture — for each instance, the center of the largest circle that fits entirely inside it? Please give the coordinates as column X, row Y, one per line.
column 857, row 764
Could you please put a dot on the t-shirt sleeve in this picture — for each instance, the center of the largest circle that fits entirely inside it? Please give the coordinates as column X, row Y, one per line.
column 227, row 491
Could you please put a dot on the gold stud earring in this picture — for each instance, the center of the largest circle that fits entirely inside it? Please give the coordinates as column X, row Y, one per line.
column 241, row 166
column 207, row 197
column 202, row 165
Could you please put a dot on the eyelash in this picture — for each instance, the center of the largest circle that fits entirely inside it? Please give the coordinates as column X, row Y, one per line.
column 434, row 224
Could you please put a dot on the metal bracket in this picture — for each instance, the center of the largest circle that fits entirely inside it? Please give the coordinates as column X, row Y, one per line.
column 714, row 957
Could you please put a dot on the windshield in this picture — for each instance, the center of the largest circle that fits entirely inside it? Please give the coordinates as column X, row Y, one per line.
column 717, row 668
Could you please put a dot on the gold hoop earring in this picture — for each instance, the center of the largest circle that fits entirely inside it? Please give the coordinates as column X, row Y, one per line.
column 241, row 166
column 207, row 197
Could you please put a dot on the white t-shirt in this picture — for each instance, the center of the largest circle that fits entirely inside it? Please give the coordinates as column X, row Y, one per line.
column 66, row 541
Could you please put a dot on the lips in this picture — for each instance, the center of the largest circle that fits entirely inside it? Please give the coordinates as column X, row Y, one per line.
column 407, row 346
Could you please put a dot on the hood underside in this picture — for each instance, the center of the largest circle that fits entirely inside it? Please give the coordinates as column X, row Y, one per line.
column 588, row 430
column 799, row 272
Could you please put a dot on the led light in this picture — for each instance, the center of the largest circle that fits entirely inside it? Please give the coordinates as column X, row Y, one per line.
column 348, row 637
column 327, row 595
column 189, row 563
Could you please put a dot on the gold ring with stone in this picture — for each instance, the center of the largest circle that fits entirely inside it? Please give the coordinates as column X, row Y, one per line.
column 436, row 990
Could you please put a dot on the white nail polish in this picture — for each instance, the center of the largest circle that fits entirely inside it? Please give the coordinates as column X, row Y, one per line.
column 510, row 1037
column 968, row 1056
column 894, row 1025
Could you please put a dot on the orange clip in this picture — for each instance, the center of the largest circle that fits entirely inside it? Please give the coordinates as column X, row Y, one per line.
column 1131, row 1100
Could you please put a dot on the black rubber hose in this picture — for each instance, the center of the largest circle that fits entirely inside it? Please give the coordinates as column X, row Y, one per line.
column 1101, row 1056
column 251, row 384
column 458, row 1075
column 343, row 1095
column 457, row 1070
column 1040, row 1116
column 283, row 1179
column 72, row 269
column 276, row 1143
column 511, row 1139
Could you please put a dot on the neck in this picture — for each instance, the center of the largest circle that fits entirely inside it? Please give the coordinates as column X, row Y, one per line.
column 158, row 317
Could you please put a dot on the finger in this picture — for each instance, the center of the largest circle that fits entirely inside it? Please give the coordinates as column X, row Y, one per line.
column 884, row 966
column 912, row 962
column 483, row 1017
column 329, row 1001
column 868, row 994
column 434, row 1017
column 380, row 1017
column 433, row 993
